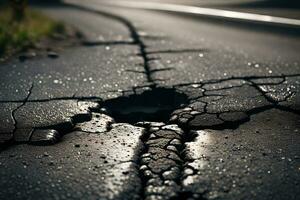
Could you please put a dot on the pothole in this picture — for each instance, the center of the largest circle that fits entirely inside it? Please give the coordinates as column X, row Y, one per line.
column 154, row 105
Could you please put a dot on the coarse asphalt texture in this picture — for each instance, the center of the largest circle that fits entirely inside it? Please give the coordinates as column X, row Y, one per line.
column 153, row 105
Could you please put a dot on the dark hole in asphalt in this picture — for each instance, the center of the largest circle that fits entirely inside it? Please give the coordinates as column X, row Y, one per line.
column 154, row 105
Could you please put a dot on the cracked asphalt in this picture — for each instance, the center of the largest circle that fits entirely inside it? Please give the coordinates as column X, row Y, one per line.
column 153, row 105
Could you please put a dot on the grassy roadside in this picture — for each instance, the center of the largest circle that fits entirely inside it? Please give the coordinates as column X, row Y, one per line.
column 19, row 36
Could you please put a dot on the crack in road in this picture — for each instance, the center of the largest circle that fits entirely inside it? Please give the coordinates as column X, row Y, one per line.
column 23, row 104
column 246, row 78
column 133, row 33
column 185, row 116
column 162, row 161
column 105, row 43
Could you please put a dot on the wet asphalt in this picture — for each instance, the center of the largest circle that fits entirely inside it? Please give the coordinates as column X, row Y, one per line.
column 153, row 105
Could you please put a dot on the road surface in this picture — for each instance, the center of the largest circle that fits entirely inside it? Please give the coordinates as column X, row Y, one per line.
column 153, row 105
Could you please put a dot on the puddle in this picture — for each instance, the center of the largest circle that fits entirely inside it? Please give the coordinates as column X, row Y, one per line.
column 154, row 105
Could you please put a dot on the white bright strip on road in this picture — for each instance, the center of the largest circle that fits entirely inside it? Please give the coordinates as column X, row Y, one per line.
column 205, row 12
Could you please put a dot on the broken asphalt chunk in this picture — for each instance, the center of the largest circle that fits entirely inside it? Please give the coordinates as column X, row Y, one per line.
column 52, row 54
column 44, row 137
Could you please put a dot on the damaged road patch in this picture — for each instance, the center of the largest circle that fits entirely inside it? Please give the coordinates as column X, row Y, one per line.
column 33, row 119
column 154, row 105
column 141, row 119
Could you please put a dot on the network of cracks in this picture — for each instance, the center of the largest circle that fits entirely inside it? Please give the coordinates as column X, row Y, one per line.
column 170, row 117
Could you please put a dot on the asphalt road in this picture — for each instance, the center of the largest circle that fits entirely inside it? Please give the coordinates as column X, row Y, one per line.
column 153, row 105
